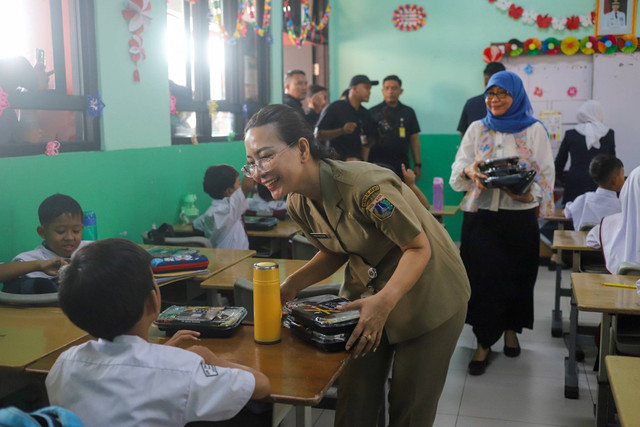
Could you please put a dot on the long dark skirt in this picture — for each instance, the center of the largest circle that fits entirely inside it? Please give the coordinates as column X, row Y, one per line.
column 500, row 252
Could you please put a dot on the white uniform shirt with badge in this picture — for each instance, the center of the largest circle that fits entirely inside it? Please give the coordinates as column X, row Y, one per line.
column 614, row 19
column 222, row 222
column 504, row 145
column 591, row 207
column 42, row 253
column 131, row 382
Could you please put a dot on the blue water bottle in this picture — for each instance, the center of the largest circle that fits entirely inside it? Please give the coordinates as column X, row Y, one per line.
column 90, row 231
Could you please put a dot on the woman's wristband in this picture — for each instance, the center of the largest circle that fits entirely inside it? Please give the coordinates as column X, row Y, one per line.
column 417, row 165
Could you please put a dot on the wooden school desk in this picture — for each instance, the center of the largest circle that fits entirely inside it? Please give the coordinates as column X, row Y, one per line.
column 575, row 241
column 28, row 334
column 300, row 374
column 446, row 211
column 557, row 215
column 590, row 294
column 244, row 269
column 624, row 376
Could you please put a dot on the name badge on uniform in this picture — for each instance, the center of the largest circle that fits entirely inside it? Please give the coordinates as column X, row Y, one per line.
column 320, row 235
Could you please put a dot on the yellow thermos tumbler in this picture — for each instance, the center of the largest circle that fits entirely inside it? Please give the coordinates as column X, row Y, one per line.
column 267, row 309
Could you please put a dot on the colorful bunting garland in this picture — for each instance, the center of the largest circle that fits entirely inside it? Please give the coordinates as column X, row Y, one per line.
column 531, row 17
column 568, row 46
column 138, row 13
column 307, row 23
column 409, row 17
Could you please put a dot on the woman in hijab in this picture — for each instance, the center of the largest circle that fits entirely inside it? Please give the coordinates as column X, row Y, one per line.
column 500, row 236
column 619, row 234
column 590, row 138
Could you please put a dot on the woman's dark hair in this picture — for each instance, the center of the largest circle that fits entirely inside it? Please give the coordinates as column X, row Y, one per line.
column 290, row 125
column 604, row 168
column 104, row 287
column 217, row 179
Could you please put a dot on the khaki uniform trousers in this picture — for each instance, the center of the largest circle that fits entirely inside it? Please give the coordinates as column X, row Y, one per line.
column 418, row 375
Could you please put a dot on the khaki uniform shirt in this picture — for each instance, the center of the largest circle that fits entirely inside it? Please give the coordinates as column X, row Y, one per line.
column 370, row 214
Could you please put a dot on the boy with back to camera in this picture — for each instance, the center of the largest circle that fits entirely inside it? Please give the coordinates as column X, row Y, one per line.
column 608, row 172
column 222, row 222
column 60, row 228
column 123, row 380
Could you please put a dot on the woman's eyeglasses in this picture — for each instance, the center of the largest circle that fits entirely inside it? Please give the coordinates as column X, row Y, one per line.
column 500, row 94
column 263, row 164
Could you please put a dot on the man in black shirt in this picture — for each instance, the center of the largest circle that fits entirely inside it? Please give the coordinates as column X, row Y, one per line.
column 295, row 89
column 398, row 130
column 475, row 108
column 347, row 125
column 316, row 102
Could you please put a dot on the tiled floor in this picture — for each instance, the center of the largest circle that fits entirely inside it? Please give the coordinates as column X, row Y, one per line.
column 527, row 391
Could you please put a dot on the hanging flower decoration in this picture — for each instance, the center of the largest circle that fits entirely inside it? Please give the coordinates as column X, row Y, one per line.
column 538, row 92
column 588, row 45
column 607, row 44
column 52, row 148
column 532, row 46
column 94, row 106
column 4, row 101
column 307, row 23
column 627, row 44
column 531, row 17
column 409, row 17
column 514, row 47
column 551, row 46
column 492, row 54
column 138, row 13
column 266, row 17
column 569, row 45
column 528, row 69
column 172, row 104
column 213, row 107
column 572, row 91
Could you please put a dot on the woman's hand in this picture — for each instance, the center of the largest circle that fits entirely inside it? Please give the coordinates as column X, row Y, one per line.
column 473, row 173
column 522, row 198
column 182, row 336
column 367, row 334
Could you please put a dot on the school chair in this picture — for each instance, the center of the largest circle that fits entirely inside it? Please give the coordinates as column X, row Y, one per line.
column 189, row 241
column 591, row 262
column 301, row 248
column 626, row 328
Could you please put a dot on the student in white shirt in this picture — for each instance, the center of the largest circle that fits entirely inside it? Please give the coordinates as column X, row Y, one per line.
column 222, row 222
column 263, row 204
column 123, row 380
column 619, row 235
column 608, row 172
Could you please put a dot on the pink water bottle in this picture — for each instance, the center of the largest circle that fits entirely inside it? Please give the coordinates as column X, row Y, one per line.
column 438, row 194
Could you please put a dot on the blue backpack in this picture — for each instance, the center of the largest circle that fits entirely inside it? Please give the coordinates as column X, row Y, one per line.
column 51, row 416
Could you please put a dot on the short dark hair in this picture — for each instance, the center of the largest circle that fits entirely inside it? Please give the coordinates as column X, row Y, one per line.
column 58, row 204
column 394, row 78
column 493, row 67
column 292, row 73
column 290, row 125
column 604, row 167
column 104, row 287
column 313, row 89
column 217, row 179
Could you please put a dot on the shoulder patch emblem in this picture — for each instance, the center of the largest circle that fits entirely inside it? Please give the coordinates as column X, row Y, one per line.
column 368, row 194
column 381, row 207
column 208, row 370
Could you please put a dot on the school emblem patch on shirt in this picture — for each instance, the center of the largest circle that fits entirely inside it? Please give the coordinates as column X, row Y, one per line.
column 381, row 207
column 368, row 194
column 209, row 370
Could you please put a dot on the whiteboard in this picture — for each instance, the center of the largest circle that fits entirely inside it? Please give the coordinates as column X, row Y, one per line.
column 617, row 88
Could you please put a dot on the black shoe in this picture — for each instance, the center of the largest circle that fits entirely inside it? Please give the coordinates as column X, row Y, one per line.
column 552, row 266
column 477, row 367
column 511, row 351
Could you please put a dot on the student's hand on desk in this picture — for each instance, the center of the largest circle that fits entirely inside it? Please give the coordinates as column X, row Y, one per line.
column 182, row 336
column 287, row 292
column 368, row 332
column 51, row 266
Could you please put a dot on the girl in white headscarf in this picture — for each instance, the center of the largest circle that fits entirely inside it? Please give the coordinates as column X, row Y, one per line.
column 619, row 235
column 590, row 138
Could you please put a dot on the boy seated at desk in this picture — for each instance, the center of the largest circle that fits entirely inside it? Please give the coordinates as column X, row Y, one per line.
column 261, row 203
column 123, row 380
column 222, row 222
column 608, row 172
column 35, row 272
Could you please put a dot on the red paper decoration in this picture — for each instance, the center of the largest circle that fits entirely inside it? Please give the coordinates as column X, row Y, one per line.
column 492, row 54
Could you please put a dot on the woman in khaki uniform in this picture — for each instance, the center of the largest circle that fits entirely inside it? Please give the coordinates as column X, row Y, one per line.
column 404, row 273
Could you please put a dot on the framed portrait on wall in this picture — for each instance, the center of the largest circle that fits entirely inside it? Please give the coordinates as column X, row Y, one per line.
column 616, row 17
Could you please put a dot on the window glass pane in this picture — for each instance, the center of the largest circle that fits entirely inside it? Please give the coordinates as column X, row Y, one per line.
column 183, row 124
column 222, row 123
column 176, row 42
column 33, row 126
column 216, row 54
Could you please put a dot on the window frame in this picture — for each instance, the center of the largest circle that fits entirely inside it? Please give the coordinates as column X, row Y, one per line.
column 57, row 99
